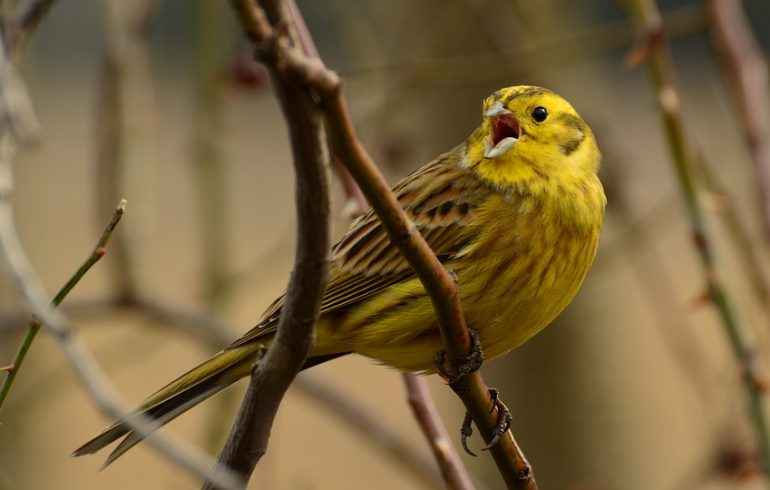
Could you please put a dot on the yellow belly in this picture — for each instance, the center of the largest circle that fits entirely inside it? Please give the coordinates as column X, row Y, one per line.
column 513, row 282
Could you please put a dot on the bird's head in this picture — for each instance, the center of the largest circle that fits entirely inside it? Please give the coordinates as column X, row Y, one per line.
column 530, row 132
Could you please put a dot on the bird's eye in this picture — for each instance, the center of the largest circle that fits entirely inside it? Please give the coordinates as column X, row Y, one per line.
column 539, row 114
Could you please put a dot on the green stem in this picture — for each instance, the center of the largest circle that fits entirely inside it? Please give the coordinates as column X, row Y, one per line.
column 35, row 323
column 661, row 70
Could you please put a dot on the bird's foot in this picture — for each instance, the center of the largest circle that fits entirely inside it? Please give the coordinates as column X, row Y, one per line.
column 504, row 420
column 471, row 363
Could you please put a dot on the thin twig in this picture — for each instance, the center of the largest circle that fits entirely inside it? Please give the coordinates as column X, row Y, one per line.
column 30, row 14
column 654, row 51
column 273, row 374
column 30, row 289
column 452, row 470
column 35, row 324
column 437, row 281
column 746, row 71
column 86, row 368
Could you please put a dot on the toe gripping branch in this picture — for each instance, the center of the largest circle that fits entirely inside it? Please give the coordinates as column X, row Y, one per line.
column 470, row 364
column 504, row 420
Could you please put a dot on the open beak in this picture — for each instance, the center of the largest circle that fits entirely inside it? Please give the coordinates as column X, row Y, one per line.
column 504, row 131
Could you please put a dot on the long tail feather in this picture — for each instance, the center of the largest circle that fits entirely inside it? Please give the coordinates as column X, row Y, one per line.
column 180, row 395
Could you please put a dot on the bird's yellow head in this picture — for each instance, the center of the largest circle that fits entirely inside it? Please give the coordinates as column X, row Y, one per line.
column 529, row 134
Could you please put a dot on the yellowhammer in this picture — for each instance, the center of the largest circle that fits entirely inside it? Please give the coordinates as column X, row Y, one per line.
column 515, row 212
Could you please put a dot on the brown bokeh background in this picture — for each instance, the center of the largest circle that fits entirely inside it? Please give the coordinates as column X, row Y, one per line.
column 633, row 387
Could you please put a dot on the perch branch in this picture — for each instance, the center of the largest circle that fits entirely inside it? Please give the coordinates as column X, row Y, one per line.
column 276, row 50
column 425, row 412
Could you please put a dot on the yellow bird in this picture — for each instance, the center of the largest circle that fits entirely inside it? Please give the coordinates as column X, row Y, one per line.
column 515, row 211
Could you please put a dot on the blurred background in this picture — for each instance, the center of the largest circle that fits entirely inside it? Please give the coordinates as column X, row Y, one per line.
column 635, row 386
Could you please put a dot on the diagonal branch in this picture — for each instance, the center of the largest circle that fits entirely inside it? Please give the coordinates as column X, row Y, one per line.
column 452, row 470
column 653, row 50
column 746, row 71
column 276, row 50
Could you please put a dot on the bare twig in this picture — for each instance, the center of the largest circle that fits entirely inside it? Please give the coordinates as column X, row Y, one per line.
column 653, row 50
column 30, row 289
column 402, row 232
column 35, row 324
column 452, row 469
column 746, row 70
column 273, row 374
column 87, row 370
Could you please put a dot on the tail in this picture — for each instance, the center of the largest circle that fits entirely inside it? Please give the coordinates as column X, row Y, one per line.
column 198, row 384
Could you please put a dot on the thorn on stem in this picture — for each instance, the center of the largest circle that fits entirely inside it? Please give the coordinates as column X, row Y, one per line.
column 100, row 252
column 8, row 369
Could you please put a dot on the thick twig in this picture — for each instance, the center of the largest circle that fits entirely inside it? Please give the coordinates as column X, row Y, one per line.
column 402, row 232
column 746, row 70
column 653, row 49
column 273, row 374
column 452, row 470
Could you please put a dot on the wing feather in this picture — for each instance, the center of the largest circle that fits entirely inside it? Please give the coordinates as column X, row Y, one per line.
column 441, row 199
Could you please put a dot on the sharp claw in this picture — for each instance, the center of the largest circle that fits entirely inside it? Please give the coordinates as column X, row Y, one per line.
column 438, row 359
column 503, row 421
column 465, row 432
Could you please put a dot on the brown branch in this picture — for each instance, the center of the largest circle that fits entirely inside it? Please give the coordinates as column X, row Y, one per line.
column 452, row 470
column 276, row 50
column 746, row 71
column 28, row 18
column 273, row 374
column 438, row 282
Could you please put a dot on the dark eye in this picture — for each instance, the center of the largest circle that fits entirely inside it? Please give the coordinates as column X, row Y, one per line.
column 539, row 114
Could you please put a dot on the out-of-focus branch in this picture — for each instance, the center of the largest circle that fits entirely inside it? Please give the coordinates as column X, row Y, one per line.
column 653, row 50
column 121, row 119
column 274, row 372
column 437, row 281
column 85, row 367
column 18, row 266
column 207, row 151
column 452, row 469
column 28, row 18
column 746, row 71
column 401, row 451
